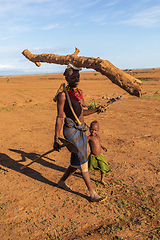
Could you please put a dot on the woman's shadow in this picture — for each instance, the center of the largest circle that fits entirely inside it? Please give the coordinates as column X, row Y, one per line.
column 33, row 156
column 10, row 163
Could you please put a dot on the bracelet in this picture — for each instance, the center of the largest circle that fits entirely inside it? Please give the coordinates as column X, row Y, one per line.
column 59, row 117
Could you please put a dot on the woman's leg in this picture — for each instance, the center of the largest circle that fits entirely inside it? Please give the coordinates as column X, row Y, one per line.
column 85, row 173
column 70, row 170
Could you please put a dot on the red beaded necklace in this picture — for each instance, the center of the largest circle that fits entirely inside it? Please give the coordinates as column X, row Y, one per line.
column 75, row 93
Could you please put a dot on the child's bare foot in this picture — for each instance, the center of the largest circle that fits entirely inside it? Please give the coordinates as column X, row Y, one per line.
column 96, row 198
column 63, row 185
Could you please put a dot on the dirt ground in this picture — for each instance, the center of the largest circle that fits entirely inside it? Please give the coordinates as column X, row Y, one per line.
column 32, row 206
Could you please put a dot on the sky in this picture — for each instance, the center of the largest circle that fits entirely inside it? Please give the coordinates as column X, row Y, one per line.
column 124, row 32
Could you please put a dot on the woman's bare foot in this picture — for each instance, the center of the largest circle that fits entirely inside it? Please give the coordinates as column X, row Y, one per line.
column 63, row 185
column 96, row 198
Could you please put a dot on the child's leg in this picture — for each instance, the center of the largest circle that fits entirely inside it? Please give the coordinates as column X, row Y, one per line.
column 102, row 178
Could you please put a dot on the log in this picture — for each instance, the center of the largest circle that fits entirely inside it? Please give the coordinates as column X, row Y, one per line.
column 116, row 75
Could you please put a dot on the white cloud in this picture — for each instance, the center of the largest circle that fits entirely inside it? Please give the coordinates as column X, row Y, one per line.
column 90, row 3
column 112, row 3
column 77, row 15
column 98, row 19
column 9, row 53
column 30, row 8
column 5, row 38
column 146, row 18
column 8, row 67
column 51, row 26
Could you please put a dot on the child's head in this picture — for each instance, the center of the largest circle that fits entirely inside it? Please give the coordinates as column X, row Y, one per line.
column 94, row 128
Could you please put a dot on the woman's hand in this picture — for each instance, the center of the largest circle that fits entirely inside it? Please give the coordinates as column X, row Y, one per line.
column 56, row 145
column 100, row 109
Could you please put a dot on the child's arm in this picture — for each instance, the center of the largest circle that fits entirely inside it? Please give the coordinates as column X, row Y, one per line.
column 104, row 148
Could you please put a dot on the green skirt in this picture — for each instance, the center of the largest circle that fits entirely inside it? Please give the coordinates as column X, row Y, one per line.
column 98, row 163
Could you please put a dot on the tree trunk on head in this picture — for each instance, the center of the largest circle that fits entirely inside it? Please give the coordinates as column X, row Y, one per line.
column 117, row 76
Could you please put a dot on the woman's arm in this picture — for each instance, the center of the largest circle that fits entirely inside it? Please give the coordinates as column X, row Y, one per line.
column 87, row 112
column 59, row 118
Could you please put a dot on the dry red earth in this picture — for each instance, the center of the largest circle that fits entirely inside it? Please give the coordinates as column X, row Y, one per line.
column 32, row 206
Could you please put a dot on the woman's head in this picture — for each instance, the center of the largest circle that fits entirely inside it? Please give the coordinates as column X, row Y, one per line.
column 72, row 75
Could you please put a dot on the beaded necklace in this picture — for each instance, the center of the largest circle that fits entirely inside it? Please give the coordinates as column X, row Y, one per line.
column 75, row 93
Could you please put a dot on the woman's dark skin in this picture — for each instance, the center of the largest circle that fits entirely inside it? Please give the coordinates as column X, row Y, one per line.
column 63, row 106
column 73, row 78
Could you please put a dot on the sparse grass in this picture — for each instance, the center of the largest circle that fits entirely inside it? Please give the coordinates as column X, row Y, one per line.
column 22, row 90
column 145, row 79
column 5, row 109
column 149, row 97
column 130, row 211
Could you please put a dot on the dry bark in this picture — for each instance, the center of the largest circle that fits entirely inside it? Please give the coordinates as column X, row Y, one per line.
column 117, row 76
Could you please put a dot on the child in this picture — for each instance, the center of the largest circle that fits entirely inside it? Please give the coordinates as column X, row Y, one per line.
column 96, row 160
